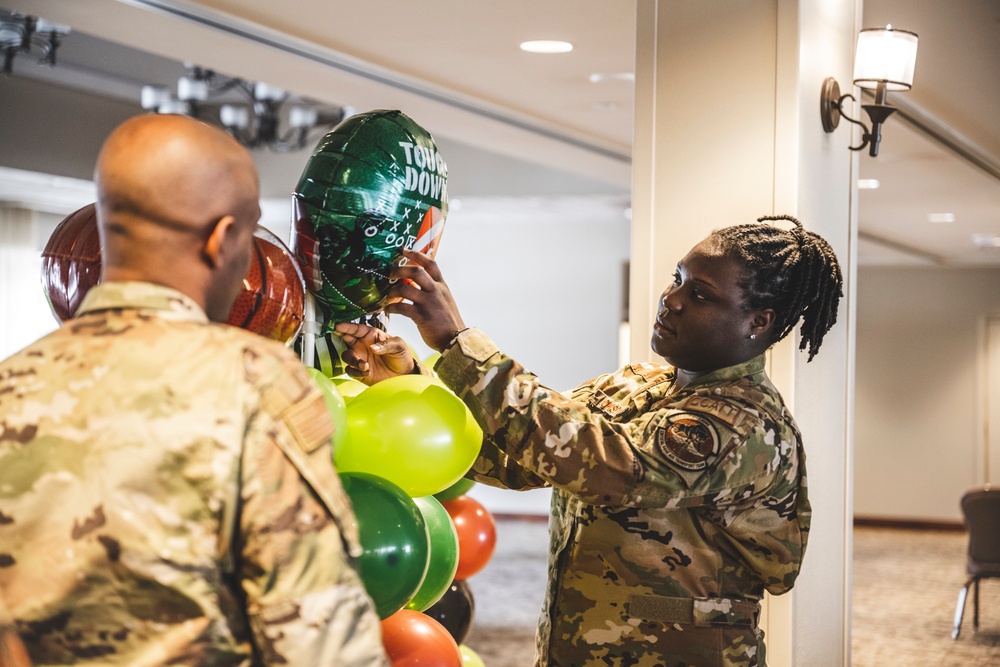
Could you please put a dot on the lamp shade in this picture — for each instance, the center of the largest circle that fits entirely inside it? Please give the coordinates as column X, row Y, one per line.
column 885, row 55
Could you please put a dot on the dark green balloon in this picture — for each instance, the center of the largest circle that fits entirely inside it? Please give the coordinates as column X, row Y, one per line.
column 374, row 185
column 457, row 489
column 394, row 540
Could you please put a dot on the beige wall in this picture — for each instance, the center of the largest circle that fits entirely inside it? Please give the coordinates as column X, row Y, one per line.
column 917, row 436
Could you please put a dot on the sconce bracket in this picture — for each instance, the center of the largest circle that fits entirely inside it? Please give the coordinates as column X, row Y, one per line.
column 829, row 104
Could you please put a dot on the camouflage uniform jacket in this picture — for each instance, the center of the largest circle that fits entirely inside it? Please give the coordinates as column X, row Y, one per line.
column 167, row 496
column 672, row 510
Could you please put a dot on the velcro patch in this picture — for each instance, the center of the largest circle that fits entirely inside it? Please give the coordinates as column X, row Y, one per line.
column 309, row 422
column 688, row 439
column 604, row 403
column 739, row 418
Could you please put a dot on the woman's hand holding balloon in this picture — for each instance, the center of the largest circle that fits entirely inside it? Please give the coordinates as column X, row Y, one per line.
column 426, row 300
column 373, row 355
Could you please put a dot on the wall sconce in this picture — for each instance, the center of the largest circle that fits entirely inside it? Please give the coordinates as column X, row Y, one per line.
column 19, row 33
column 255, row 113
column 884, row 61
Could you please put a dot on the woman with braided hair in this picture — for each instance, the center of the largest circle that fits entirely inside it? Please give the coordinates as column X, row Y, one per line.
column 679, row 490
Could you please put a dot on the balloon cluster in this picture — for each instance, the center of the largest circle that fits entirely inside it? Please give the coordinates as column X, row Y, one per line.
column 402, row 447
column 375, row 184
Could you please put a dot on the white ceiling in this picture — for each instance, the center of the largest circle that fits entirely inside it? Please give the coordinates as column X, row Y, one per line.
column 455, row 66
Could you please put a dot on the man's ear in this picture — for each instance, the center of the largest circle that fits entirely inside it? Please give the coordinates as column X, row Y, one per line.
column 762, row 321
column 217, row 238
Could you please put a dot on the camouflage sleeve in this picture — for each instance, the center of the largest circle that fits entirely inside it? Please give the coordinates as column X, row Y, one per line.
column 297, row 535
column 677, row 458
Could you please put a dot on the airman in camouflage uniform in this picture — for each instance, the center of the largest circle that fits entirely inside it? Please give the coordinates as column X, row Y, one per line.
column 679, row 491
column 167, row 494
column 672, row 510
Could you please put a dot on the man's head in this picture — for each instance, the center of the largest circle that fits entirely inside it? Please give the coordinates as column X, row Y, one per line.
column 177, row 204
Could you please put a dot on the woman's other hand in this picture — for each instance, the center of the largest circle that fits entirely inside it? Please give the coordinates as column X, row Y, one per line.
column 425, row 299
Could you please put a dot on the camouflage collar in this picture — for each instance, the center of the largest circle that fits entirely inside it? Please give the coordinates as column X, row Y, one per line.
column 141, row 296
column 749, row 367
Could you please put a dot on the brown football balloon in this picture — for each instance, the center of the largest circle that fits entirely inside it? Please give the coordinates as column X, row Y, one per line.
column 272, row 299
column 71, row 262
column 270, row 302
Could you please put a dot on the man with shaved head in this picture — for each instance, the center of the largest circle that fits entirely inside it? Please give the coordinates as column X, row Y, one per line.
column 167, row 494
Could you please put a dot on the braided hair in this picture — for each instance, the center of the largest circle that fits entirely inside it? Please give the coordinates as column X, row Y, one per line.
column 794, row 272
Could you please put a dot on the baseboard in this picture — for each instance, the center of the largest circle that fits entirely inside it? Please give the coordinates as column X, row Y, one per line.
column 863, row 521
column 908, row 524
column 530, row 518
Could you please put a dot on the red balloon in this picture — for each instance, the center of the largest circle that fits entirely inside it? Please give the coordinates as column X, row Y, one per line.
column 71, row 262
column 413, row 639
column 477, row 534
column 272, row 298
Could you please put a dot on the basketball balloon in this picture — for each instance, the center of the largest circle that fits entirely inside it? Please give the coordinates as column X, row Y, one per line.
column 272, row 298
column 71, row 262
column 375, row 185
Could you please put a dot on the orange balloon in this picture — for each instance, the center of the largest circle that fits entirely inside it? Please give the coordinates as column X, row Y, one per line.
column 477, row 534
column 413, row 639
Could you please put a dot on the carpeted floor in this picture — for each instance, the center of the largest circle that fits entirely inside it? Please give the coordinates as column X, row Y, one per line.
column 906, row 584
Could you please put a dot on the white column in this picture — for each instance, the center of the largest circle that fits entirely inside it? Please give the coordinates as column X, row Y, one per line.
column 727, row 128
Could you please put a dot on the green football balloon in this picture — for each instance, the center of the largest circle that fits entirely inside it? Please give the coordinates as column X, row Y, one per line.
column 375, row 184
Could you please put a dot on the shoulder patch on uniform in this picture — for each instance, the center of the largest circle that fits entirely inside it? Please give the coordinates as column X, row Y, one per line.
column 688, row 439
column 730, row 412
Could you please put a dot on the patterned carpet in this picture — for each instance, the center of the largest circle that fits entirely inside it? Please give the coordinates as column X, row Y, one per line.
column 906, row 584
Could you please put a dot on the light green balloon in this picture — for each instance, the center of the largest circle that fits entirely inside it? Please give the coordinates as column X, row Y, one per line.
column 348, row 387
column 431, row 359
column 335, row 404
column 411, row 430
column 469, row 657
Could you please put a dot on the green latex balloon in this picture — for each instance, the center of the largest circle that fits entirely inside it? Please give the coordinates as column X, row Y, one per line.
column 374, row 185
column 348, row 387
column 459, row 488
column 444, row 553
column 394, row 541
column 469, row 657
column 431, row 359
column 334, row 403
column 411, row 430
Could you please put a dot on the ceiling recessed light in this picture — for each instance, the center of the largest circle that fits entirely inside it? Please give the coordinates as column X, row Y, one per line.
column 605, row 77
column 986, row 241
column 546, row 46
column 940, row 217
column 868, row 184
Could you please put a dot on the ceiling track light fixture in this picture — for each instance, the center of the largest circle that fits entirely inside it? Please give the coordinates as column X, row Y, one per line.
column 20, row 33
column 254, row 113
column 884, row 61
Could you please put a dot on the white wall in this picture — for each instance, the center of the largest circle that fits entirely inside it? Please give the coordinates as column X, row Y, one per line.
column 917, row 432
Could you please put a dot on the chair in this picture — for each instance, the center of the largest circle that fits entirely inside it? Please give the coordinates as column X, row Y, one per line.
column 981, row 509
